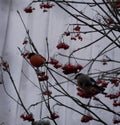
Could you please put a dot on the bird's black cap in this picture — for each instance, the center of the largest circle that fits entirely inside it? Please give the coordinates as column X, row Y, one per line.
column 30, row 54
column 78, row 75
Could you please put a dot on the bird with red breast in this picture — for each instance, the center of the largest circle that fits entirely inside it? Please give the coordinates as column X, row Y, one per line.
column 36, row 60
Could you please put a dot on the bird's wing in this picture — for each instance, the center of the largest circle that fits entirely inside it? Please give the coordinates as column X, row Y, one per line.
column 95, row 85
column 92, row 80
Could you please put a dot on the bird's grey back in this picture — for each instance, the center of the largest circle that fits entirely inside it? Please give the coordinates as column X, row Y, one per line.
column 83, row 80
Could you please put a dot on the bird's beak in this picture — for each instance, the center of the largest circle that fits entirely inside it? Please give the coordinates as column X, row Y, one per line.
column 76, row 76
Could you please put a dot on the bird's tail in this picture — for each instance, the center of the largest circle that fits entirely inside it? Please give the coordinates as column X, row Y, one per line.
column 104, row 93
column 101, row 89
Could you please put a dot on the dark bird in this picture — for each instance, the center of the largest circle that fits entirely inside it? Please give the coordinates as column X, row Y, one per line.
column 87, row 83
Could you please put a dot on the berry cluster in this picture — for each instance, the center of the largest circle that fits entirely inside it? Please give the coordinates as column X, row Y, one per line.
column 28, row 117
column 67, row 33
column 115, row 103
column 42, row 76
column 87, row 94
column 116, row 121
column 113, row 96
column 102, row 83
column 86, row 118
column 62, row 45
column 70, row 68
column 25, row 54
column 76, row 28
column 4, row 65
column 55, row 63
column 46, row 6
column 76, row 36
column 67, row 68
column 29, row 9
column 115, row 81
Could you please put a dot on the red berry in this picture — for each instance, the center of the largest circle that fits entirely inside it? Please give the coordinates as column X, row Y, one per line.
column 28, row 9
column 22, row 116
column 67, row 33
column 109, row 21
column 112, row 96
column 80, row 38
column 53, row 61
column 73, row 38
column 78, row 67
column 45, row 10
column 77, row 28
column 42, row 5
column 46, row 6
column 5, row 65
column 43, row 78
column 28, row 117
column 104, row 84
column 54, row 115
column 57, row 66
column 99, row 81
column 66, row 46
column 87, row 94
column 25, row 42
column 86, row 118
column 62, row 45
column 69, row 68
column 47, row 92
column 115, row 81
column 25, row 55
column 40, row 73
column 116, row 121
column 105, row 63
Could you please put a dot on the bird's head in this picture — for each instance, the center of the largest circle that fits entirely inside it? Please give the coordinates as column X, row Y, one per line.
column 30, row 55
column 78, row 75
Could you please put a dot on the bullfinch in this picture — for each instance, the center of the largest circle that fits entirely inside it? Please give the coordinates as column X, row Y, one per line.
column 86, row 83
column 36, row 60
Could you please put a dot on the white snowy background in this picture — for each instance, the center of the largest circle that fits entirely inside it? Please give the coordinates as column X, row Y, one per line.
column 41, row 25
